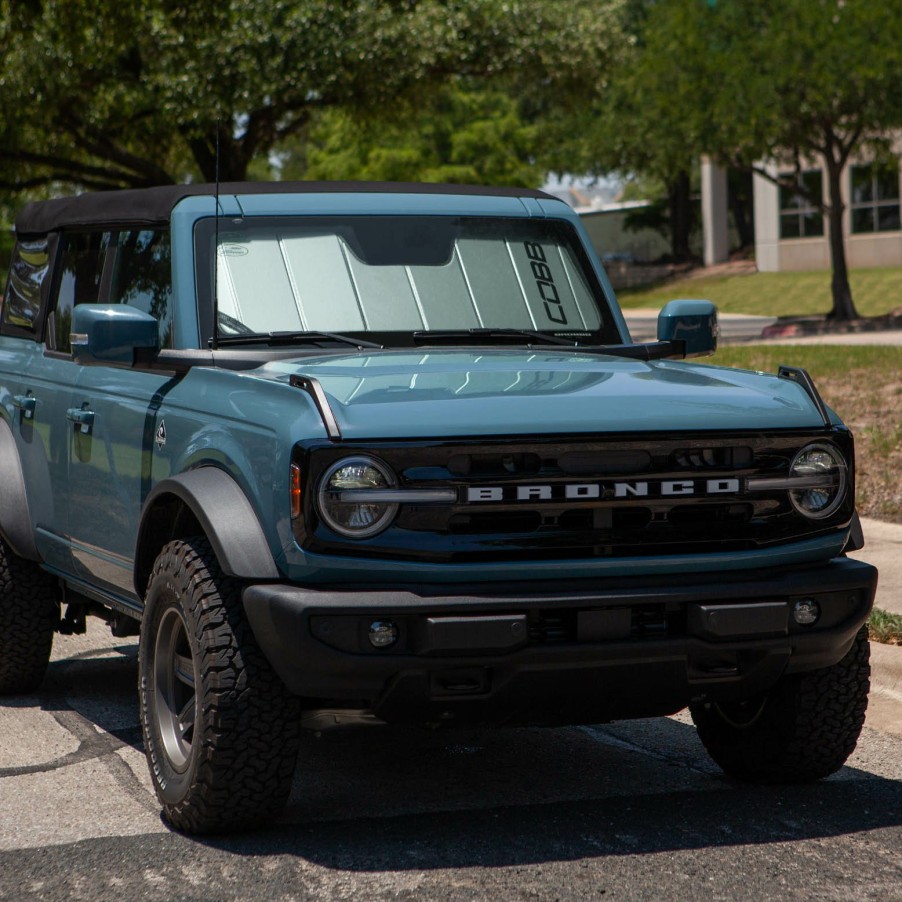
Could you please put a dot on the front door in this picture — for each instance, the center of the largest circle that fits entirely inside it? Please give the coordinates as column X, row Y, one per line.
column 111, row 421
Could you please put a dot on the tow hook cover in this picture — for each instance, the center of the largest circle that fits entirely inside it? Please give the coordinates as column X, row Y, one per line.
column 734, row 621
column 469, row 634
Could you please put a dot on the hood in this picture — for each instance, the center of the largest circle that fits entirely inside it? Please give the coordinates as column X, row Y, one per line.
column 434, row 393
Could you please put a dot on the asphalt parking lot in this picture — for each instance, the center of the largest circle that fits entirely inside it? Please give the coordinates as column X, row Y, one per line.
column 622, row 811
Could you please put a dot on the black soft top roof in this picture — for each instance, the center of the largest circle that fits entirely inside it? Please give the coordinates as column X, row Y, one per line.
column 152, row 206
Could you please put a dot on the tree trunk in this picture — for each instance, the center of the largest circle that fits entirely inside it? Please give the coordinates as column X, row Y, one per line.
column 681, row 216
column 232, row 163
column 843, row 306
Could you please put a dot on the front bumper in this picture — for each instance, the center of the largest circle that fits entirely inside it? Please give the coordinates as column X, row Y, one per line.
column 577, row 652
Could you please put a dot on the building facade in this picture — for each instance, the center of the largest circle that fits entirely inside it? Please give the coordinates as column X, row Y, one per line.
column 791, row 233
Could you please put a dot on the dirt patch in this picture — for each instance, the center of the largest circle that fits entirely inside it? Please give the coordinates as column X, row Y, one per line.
column 871, row 405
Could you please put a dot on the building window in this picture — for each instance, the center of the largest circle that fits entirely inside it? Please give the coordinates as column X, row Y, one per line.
column 875, row 199
column 800, row 217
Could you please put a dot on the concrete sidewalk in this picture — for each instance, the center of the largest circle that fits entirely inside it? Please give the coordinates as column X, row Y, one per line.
column 883, row 549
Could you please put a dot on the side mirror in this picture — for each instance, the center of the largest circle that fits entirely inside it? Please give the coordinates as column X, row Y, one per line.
column 692, row 322
column 109, row 334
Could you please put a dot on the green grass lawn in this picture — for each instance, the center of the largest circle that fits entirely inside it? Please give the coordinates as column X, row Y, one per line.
column 875, row 291
column 873, row 362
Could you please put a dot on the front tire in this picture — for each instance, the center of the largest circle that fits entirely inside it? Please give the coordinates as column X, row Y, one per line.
column 221, row 731
column 29, row 615
column 804, row 729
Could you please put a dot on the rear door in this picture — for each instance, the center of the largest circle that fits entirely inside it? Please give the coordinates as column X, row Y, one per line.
column 30, row 393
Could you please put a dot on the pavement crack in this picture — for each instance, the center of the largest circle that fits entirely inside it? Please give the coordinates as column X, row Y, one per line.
column 599, row 734
column 102, row 744
column 94, row 742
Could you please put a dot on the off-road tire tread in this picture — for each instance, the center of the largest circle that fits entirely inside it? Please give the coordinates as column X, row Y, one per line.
column 249, row 724
column 29, row 615
column 808, row 728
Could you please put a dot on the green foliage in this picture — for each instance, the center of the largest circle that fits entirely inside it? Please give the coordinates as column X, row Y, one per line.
column 7, row 237
column 78, row 105
column 7, row 241
column 791, row 80
column 631, row 121
column 885, row 626
column 782, row 76
column 459, row 135
column 108, row 94
column 743, row 82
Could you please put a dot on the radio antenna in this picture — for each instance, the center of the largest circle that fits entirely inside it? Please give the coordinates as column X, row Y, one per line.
column 214, row 341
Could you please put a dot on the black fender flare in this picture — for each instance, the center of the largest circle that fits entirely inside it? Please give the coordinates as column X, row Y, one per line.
column 223, row 512
column 15, row 518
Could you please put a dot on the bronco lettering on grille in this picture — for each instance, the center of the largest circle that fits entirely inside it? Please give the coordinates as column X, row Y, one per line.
column 588, row 491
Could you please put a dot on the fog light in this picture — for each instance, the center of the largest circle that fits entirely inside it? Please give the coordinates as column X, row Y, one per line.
column 383, row 633
column 806, row 612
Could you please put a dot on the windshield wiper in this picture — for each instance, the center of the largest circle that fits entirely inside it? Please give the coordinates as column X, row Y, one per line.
column 453, row 335
column 290, row 338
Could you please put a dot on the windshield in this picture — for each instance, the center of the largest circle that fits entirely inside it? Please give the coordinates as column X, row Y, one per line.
column 401, row 275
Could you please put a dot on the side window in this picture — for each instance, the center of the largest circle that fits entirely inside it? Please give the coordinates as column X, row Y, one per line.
column 115, row 267
column 142, row 277
column 27, row 272
column 81, row 270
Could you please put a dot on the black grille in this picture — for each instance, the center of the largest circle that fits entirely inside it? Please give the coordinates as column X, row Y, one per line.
column 588, row 497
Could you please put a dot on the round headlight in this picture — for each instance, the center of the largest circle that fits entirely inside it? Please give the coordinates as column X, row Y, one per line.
column 342, row 498
column 822, row 476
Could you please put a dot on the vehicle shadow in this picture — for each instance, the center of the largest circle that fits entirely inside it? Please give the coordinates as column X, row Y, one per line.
column 405, row 799
column 536, row 833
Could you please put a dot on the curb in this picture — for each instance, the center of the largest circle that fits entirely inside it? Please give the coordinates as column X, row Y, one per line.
column 886, row 669
column 885, row 700
column 819, row 326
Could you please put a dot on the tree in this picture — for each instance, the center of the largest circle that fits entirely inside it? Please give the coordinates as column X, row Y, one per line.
column 796, row 81
column 463, row 133
column 105, row 94
column 633, row 122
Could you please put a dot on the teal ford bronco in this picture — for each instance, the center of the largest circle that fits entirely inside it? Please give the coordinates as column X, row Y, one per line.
column 349, row 454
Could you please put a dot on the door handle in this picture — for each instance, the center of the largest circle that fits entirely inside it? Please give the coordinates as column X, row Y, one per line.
column 25, row 404
column 83, row 419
